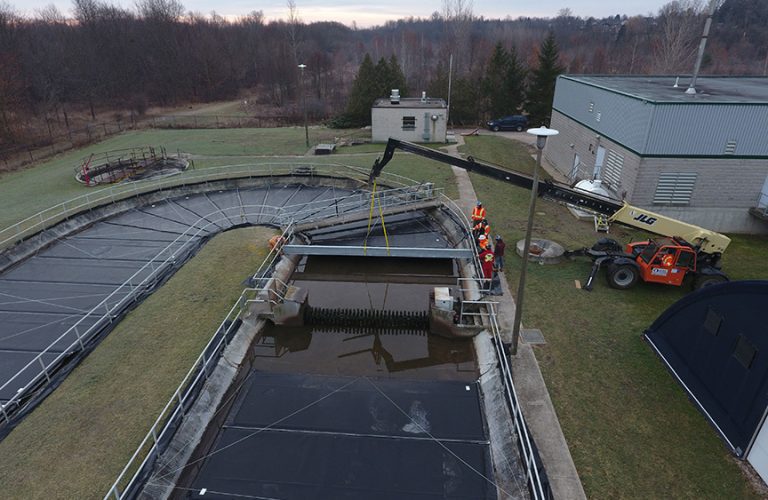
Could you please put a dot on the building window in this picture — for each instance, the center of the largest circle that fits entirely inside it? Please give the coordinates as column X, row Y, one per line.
column 674, row 188
column 409, row 123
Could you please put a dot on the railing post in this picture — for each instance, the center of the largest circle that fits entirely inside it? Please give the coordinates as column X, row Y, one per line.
column 45, row 369
column 79, row 338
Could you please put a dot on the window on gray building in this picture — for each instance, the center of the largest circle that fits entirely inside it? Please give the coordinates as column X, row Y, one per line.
column 409, row 123
column 674, row 188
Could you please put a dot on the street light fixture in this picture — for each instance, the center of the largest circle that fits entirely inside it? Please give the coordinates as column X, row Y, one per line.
column 304, row 101
column 541, row 134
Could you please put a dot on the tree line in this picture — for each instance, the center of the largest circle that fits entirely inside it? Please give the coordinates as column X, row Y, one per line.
column 56, row 69
column 505, row 87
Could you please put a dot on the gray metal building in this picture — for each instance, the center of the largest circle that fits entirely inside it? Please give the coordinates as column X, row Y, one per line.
column 701, row 158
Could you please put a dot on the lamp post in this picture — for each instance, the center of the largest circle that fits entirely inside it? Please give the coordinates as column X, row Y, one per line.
column 541, row 134
column 304, row 103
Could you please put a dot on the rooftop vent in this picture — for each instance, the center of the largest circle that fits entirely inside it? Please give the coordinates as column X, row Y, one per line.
column 394, row 98
column 424, row 96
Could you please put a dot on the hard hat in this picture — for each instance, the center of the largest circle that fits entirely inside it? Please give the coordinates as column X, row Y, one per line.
column 479, row 204
column 498, row 236
column 482, row 237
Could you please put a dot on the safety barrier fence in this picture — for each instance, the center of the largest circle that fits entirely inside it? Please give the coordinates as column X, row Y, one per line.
column 104, row 196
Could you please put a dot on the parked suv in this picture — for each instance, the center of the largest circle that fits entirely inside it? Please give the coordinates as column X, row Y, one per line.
column 514, row 122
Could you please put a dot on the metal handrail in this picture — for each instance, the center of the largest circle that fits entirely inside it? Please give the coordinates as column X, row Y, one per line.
column 61, row 211
column 280, row 215
column 201, row 366
column 525, row 441
column 102, row 311
column 199, row 369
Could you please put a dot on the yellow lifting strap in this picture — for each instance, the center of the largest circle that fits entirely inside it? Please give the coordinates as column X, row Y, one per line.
column 370, row 220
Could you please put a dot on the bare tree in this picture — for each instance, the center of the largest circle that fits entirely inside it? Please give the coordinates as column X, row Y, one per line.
column 675, row 45
column 292, row 30
column 160, row 10
column 458, row 18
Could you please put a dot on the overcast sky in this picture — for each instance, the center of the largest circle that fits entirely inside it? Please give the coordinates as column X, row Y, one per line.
column 366, row 13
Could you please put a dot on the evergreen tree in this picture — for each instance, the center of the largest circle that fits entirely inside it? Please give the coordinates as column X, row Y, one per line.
column 465, row 96
column 364, row 91
column 465, row 101
column 542, row 87
column 514, row 82
column 384, row 78
column 397, row 77
column 494, row 83
column 371, row 83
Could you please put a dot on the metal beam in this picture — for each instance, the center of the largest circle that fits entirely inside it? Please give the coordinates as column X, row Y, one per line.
column 361, row 215
column 420, row 253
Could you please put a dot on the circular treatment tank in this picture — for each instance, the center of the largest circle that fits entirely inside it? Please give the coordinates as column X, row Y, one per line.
column 128, row 164
column 542, row 251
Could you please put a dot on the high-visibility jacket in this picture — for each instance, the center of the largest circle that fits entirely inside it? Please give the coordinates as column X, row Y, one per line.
column 482, row 229
column 478, row 214
column 486, row 262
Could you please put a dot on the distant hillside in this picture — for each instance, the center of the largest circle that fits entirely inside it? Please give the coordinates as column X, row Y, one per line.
column 109, row 57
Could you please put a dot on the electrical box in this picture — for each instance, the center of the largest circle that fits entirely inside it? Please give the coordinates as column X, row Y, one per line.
column 443, row 298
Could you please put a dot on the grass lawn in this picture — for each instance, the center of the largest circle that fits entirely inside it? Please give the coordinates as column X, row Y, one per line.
column 77, row 441
column 631, row 429
column 26, row 192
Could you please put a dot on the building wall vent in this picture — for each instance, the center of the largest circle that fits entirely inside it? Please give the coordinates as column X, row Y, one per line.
column 591, row 107
column 394, row 98
column 675, row 188
column 730, row 147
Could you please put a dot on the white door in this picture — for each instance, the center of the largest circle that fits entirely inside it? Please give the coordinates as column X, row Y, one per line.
column 758, row 455
column 599, row 159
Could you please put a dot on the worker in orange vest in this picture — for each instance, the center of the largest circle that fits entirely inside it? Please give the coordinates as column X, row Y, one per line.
column 482, row 228
column 478, row 213
column 276, row 241
column 482, row 242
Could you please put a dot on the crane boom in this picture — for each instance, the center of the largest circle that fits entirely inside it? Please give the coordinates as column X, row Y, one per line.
column 705, row 240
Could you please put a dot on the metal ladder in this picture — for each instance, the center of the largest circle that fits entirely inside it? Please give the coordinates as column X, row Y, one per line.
column 601, row 223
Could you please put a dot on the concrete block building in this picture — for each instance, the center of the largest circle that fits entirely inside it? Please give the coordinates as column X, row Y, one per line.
column 422, row 119
column 701, row 158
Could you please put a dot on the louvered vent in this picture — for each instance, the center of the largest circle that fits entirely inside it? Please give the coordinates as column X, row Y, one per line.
column 730, row 147
column 675, row 188
column 614, row 163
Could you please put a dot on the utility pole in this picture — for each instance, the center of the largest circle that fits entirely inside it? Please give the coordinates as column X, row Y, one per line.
column 541, row 134
column 304, row 103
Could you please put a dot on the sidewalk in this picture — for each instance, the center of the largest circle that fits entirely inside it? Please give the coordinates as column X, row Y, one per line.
column 534, row 398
